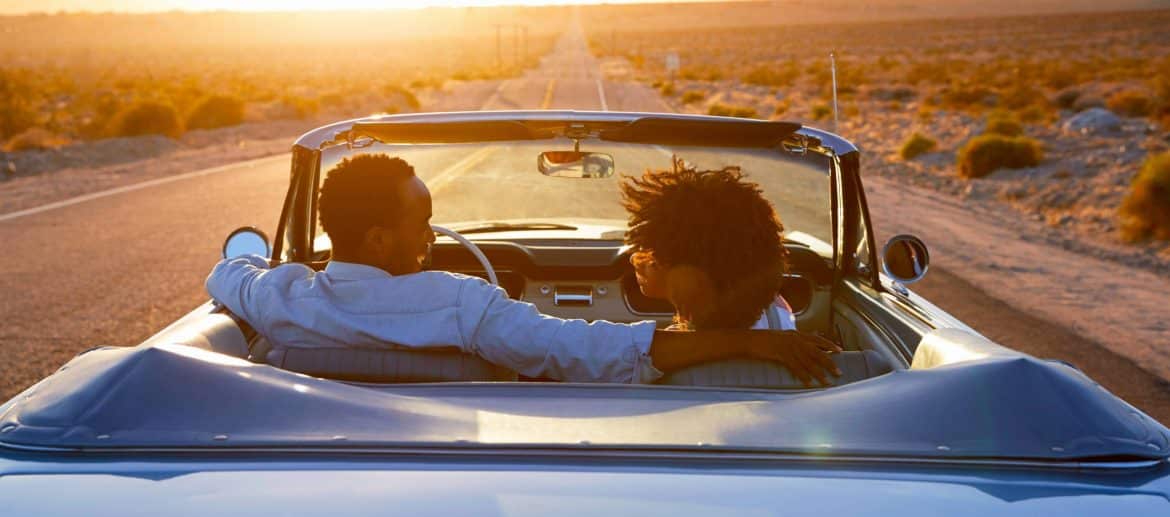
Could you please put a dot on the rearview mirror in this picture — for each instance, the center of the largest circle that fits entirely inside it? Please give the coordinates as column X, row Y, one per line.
column 905, row 259
column 575, row 164
column 246, row 241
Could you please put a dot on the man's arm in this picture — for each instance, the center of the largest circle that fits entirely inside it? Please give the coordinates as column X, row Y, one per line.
column 805, row 355
column 513, row 334
column 232, row 283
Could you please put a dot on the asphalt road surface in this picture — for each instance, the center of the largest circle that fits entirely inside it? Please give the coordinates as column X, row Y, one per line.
column 115, row 269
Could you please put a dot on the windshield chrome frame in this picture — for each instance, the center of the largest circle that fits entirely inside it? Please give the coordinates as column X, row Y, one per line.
column 296, row 228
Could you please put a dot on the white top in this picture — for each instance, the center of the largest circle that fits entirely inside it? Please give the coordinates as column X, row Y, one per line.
column 784, row 316
column 354, row 305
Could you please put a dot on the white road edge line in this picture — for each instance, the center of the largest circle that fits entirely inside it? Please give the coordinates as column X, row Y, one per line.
column 137, row 186
column 601, row 95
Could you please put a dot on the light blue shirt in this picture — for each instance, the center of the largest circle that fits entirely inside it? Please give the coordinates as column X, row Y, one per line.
column 355, row 305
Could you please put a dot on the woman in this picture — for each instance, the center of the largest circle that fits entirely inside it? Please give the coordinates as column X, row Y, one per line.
column 710, row 243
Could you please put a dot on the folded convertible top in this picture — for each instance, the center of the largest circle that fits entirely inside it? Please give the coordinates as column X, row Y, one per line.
column 166, row 396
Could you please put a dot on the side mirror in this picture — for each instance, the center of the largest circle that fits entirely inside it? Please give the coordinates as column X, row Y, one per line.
column 905, row 259
column 244, row 241
column 575, row 164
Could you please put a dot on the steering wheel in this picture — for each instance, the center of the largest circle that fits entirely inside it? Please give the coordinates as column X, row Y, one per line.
column 483, row 260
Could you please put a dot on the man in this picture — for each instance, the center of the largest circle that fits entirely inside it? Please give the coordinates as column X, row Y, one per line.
column 373, row 292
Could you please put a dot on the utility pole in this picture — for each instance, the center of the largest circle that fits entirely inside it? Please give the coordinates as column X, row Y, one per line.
column 516, row 45
column 499, row 52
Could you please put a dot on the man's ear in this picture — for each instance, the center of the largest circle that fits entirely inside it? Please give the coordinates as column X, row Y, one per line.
column 375, row 239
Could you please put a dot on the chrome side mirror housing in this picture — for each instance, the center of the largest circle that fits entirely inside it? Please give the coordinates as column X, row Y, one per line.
column 905, row 259
column 246, row 240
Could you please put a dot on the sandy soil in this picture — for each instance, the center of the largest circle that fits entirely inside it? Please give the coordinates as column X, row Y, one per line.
column 48, row 176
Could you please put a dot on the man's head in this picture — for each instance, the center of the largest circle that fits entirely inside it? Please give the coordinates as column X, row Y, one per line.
column 706, row 240
column 377, row 212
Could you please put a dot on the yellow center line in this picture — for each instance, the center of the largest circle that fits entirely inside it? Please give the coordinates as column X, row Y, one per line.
column 548, row 94
column 443, row 179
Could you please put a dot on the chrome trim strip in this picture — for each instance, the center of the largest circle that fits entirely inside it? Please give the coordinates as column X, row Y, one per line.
column 614, row 453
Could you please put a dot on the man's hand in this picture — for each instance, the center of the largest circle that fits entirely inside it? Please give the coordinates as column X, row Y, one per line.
column 805, row 355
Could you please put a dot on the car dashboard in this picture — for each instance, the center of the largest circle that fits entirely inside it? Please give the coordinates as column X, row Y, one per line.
column 592, row 279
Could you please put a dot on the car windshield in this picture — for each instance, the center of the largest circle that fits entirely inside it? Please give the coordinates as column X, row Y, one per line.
column 500, row 181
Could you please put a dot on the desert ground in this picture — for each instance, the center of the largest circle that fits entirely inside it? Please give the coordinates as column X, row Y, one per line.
column 1091, row 92
column 1036, row 257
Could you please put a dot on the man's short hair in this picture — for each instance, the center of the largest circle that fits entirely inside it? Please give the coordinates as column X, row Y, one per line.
column 360, row 193
column 718, row 222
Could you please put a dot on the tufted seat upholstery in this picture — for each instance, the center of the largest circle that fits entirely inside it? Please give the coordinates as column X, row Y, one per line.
column 388, row 365
column 749, row 373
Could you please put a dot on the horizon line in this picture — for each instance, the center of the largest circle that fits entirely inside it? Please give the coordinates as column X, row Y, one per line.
column 417, row 5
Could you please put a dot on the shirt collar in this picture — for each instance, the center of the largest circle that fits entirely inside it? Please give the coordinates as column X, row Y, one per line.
column 352, row 271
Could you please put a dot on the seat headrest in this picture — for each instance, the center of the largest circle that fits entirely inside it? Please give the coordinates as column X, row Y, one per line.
column 393, row 365
column 752, row 373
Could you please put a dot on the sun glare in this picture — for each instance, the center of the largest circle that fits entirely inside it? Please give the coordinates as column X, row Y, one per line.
column 303, row 5
column 25, row 6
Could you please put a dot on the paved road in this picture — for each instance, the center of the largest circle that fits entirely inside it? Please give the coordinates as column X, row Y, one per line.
column 113, row 270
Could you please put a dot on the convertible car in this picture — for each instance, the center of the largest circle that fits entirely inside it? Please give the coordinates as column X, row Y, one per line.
column 928, row 416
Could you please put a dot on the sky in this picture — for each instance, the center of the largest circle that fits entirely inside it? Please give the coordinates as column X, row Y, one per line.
column 26, row 6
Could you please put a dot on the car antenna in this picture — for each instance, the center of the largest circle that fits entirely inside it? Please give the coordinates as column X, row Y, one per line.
column 833, row 73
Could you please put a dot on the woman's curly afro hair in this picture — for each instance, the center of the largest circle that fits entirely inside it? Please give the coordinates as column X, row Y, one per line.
column 718, row 222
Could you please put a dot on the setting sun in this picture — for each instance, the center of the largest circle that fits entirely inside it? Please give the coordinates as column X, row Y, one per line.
column 22, row 6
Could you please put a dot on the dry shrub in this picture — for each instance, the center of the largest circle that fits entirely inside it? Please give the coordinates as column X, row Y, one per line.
column 1131, row 103
column 821, row 112
column 1063, row 77
column 725, row 110
column 333, row 100
column 961, row 97
column 1066, row 99
column 1145, row 211
column 667, row 89
column 147, row 118
column 436, row 82
column 1162, row 84
column 216, row 111
column 35, row 139
column 16, row 114
column 300, row 107
column 985, row 154
column 1036, row 113
column 917, row 145
column 701, row 73
column 406, row 96
column 1003, row 123
column 1020, row 96
column 782, row 107
column 928, row 72
column 896, row 94
column 768, row 75
column 693, row 96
